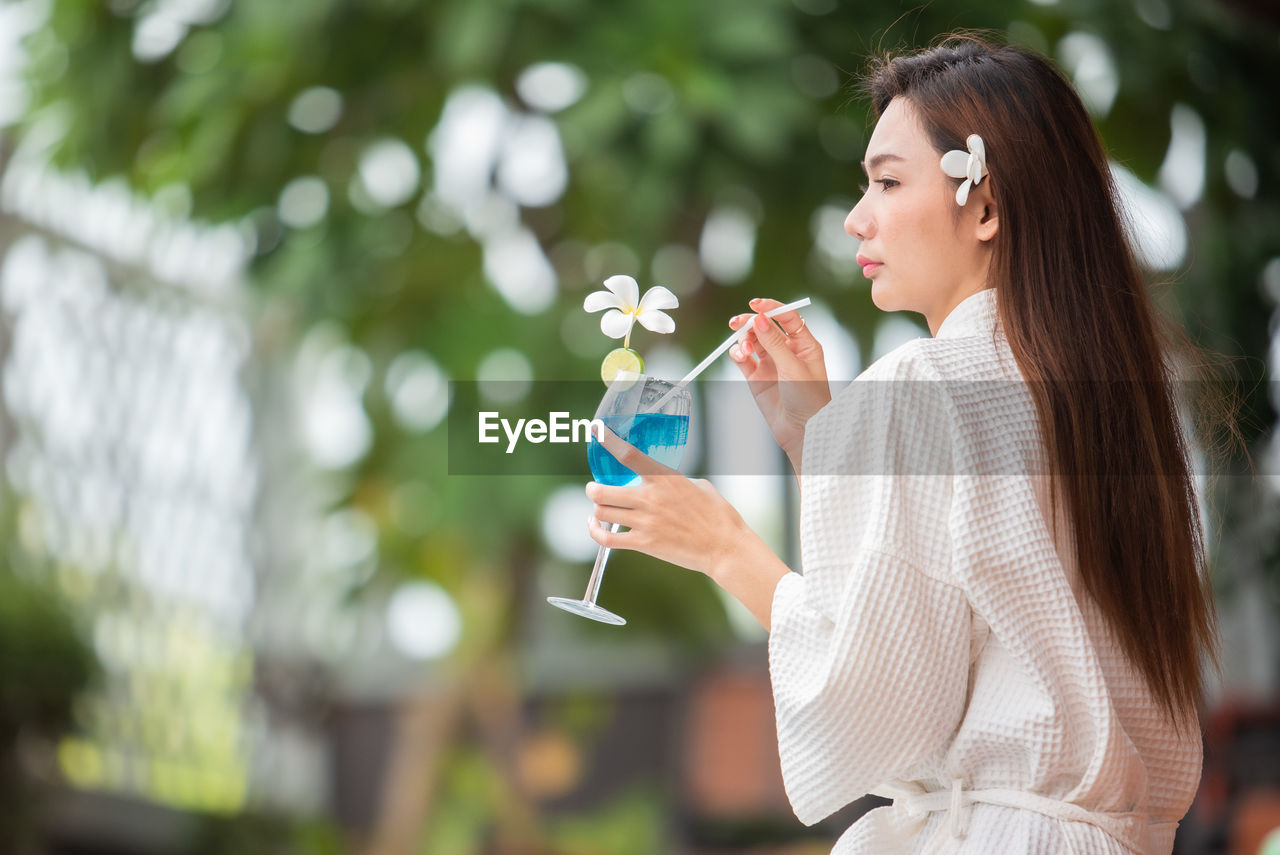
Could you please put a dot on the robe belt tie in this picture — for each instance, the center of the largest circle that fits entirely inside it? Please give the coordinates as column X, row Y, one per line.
column 1133, row 830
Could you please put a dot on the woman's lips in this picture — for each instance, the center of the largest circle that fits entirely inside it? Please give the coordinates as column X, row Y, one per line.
column 869, row 266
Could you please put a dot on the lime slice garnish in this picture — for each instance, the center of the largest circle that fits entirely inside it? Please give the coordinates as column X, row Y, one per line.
column 620, row 359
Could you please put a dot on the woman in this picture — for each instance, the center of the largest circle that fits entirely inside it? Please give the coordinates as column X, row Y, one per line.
column 1003, row 605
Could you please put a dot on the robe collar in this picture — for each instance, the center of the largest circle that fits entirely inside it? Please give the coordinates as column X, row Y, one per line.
column 975, row 315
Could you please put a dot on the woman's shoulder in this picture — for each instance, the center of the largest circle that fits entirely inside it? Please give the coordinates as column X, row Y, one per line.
column 939, row 386
column 973, row 358
column 897, row 382
column 899, row 402
column 912, row 360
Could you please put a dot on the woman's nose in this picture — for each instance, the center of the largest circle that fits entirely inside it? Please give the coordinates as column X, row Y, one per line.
column 857, row 224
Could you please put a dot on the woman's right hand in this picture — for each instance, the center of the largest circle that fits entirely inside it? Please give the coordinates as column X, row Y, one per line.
column 788, row 377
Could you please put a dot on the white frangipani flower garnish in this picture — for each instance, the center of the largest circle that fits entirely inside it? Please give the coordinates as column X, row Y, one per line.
column 626, row 306
column 970, row 165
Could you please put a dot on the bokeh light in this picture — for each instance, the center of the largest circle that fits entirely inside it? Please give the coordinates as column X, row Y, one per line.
column 551, row 86
column 422, row 620
column 316, row 109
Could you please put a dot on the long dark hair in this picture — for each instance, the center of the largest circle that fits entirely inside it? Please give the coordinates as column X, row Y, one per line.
column 1075, row 309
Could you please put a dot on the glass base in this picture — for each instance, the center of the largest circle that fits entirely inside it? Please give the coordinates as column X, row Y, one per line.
column 582, row 608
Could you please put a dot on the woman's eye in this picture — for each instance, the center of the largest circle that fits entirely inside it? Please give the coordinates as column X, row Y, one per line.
column 886, row 183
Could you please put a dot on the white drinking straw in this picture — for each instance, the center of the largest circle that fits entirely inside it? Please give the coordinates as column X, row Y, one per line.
column 737, row 336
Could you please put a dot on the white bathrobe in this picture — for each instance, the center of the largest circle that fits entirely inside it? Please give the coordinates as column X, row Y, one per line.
column 938, row 648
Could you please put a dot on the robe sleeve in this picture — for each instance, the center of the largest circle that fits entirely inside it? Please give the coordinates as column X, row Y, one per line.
column 869, row 649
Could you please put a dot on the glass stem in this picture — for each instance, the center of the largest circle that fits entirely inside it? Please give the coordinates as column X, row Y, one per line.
column 597, row 572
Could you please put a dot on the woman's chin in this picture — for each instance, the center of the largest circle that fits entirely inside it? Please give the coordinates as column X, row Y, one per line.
column 883, row 297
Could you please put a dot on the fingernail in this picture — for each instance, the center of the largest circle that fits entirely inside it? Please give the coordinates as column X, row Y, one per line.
column 755, row 299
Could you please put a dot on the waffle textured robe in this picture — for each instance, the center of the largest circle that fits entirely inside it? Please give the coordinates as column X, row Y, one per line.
column 938, row 649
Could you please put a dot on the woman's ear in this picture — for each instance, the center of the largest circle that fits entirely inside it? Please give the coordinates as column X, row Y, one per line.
column 984, row 202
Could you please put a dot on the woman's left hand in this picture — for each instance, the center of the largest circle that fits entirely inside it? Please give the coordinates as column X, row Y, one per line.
column 677, row 519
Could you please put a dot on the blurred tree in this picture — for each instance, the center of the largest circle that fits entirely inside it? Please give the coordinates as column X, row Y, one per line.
column 688, row 109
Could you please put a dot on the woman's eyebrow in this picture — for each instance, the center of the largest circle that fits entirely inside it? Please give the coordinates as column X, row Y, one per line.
column 867, row 166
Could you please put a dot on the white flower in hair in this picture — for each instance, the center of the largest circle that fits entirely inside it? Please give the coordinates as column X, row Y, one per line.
column 970, row 165
column 626, row 306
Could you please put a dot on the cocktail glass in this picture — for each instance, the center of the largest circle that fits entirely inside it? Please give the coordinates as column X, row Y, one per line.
column 652, row 415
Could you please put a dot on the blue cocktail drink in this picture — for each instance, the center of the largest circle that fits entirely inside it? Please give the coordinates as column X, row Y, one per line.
column 660, row 435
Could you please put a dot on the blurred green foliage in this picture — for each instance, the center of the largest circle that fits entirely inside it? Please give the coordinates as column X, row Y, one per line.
column 212, row 115
column 265, row 835
column 45, row 664
column 44, row 661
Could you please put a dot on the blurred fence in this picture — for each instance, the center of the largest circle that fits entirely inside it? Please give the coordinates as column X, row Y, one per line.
column 135, row 468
